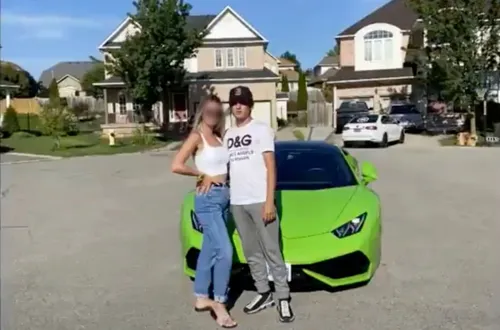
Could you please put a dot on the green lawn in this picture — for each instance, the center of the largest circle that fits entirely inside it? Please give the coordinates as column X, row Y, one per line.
column 72, row 146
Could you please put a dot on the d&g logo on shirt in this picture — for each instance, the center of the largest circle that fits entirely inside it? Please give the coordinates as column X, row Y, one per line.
column 240, row 147
column 238, row 141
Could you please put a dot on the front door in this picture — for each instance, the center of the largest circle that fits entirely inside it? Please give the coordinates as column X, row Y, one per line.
column 179, row 110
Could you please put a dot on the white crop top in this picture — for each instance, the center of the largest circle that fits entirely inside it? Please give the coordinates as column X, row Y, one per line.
column 212, row 160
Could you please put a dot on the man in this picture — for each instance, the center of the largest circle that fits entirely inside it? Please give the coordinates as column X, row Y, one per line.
column 252, row 173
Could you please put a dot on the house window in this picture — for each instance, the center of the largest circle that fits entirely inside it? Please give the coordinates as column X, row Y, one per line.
column 241, row 57
column 230, row 58
column 378, row 46
column 122, row 103
column 218, row 58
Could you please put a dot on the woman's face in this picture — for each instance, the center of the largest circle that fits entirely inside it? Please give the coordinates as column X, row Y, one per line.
column 212, row 113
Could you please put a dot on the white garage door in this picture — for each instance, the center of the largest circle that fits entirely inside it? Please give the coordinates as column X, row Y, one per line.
column 261, row 111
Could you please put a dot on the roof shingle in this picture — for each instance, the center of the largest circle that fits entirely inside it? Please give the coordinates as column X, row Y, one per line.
column 348, row 73
column 75, row 69
column 395, row 12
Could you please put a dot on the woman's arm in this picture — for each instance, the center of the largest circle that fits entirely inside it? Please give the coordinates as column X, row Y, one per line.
column 188, row 147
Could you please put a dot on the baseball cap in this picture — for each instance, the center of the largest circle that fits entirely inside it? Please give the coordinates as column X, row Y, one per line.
column 241, row 95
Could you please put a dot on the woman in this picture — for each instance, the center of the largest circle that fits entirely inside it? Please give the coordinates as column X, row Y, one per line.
column 211, row 206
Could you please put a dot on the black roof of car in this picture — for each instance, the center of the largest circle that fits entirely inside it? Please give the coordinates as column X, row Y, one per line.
column 306, row 145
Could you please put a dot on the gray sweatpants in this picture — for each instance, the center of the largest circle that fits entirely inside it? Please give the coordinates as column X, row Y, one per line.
column 261, row 243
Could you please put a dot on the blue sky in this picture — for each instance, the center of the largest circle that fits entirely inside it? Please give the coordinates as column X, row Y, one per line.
column 37, row 34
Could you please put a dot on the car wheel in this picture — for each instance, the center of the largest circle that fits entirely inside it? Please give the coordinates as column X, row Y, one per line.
column 402, row 137
column 385, row 141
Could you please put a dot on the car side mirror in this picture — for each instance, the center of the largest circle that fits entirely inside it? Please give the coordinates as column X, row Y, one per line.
column 368, row 172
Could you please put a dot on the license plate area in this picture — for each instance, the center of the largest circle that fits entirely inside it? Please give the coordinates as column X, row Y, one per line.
column 288, row 273
column 357, row 130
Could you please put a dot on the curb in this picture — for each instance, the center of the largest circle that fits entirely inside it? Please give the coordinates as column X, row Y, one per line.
column 21, row 154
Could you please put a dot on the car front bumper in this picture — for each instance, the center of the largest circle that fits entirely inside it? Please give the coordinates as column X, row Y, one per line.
column 334, row 263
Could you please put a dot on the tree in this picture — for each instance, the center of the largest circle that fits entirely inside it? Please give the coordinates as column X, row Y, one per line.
column 13, row 73
column 95, row 74
column 460, row 48
column 54, row 92
column 302, row 93
column 151, row 61
column 10, row 121
column 335, row 51
column 292, row 58
column 285, row 87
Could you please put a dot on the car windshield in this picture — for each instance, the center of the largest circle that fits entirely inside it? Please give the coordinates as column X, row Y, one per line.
column 312, row 169
column 403, row 109
column 353, row 106
column 364, row 119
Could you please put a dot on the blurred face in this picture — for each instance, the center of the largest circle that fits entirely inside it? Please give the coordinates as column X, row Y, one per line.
column 212, row 113
column 240, row 111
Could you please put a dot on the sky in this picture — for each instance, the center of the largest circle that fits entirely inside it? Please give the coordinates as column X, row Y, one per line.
column 37, row 34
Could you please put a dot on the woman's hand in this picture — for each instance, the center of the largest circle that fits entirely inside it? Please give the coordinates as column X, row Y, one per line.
column 268, row 212
column 206, row 182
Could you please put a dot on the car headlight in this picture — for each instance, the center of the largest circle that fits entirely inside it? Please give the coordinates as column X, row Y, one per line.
column 350, row 228
column 195, row 223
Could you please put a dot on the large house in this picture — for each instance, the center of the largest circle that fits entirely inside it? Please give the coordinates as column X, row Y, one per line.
column 373, row 58
column 233, row 53
column 68, row 76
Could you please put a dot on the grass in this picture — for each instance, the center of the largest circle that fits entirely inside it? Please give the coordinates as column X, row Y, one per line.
column 73, row 146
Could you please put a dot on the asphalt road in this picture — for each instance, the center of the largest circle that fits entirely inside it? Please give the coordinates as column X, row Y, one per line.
column 92, row 243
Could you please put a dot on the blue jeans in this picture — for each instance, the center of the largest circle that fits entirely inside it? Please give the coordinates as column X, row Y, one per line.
column 216, row 255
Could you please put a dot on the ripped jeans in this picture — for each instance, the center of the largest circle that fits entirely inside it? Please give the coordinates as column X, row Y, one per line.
column 216, row 255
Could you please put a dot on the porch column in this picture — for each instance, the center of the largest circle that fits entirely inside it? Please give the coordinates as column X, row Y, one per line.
column 335, row 106
column 106, row 113
column 7, row 98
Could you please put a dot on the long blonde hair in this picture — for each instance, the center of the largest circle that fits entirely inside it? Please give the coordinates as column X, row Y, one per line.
column 218, row 130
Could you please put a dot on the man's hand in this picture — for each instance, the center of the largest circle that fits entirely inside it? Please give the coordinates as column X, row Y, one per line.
column 268, row 212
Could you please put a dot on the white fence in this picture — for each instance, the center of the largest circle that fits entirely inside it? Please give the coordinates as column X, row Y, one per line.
column 92, row 104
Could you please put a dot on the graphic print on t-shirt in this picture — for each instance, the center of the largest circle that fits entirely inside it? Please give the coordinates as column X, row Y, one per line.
column 240, row 147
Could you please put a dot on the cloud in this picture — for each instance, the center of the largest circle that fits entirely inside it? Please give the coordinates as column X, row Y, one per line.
column 53, row 21
column 45, row 34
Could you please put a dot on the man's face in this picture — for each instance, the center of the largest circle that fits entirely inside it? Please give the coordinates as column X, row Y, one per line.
column 240, row 111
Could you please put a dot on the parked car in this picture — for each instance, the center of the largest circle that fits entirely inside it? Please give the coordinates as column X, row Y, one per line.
column 437, row 123
column 374, row 128
column 349, row 110
column 408, row 116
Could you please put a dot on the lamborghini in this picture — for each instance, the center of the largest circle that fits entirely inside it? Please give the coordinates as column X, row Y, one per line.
column 330, row 218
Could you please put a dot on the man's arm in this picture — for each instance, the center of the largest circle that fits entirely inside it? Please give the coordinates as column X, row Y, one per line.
column 267, row 149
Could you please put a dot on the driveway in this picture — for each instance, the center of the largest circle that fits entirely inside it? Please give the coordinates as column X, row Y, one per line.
column 92, row 243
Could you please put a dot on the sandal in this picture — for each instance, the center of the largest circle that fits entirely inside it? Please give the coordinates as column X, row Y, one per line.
column 225, row 321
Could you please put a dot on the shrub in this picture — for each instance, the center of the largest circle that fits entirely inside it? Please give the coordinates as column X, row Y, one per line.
column 10, row 123
column 23, row 135
column 299, row 135
column 285, row 87
column 58, row 121
column 302, row 93
column 142, row 136
column 281, row 122
column 80, row 109
column 54, row 92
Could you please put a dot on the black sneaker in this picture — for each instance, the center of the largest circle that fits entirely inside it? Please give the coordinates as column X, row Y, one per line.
column 262, row 301
column 285, row 311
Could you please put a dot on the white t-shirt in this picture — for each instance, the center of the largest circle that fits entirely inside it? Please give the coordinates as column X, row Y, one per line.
column 247, row 170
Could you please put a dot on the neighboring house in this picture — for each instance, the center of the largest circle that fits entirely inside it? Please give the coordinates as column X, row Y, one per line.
column 68, row 76
column 326, row 64
column 324, row 70
column 373, row 64
column 289, row 69
column 8, row 88
column 233, row 53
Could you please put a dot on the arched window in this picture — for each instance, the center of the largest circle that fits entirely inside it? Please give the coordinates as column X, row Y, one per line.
column 122, row 103
column 378, row 46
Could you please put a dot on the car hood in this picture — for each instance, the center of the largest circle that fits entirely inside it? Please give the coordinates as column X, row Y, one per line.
column 312, row 212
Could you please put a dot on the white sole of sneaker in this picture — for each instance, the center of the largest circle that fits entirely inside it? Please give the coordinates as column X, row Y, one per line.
column 286, row 321
column 264, row 306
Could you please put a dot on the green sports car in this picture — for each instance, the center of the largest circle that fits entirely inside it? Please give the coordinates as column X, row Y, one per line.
column 330, row 219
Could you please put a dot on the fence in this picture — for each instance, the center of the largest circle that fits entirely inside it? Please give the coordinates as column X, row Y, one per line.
column 93, row 105
column 319, row 114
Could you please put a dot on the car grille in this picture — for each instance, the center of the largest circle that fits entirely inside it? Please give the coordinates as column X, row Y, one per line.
column 351, row 264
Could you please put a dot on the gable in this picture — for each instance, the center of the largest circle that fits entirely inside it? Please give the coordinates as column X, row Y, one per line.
column 228, row 25
column 119, row 35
